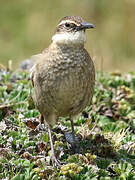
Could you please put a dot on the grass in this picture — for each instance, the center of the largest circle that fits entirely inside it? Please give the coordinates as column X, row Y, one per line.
column 106, row 132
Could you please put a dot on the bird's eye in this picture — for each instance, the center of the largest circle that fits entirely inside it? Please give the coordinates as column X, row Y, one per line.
column 67, row 25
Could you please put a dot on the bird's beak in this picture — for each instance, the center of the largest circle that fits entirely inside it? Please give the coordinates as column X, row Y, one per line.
column 85, row 25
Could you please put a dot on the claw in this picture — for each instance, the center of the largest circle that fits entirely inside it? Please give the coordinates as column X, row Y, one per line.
column 74, row 142
column 56, row 162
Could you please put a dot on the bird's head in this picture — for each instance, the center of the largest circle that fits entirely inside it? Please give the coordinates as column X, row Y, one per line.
column 71, row 30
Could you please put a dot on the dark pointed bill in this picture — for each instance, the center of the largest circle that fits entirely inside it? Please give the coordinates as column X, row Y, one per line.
column 85, row 25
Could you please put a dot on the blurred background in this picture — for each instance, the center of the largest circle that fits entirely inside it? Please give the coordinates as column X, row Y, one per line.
column 26, row 28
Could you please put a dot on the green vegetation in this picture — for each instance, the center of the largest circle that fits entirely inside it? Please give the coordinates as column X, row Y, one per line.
column 26, row 28
column 106, row 129
column 106, row 132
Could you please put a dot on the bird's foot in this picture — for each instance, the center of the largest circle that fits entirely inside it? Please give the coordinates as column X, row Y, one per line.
column 73, row 141
column 56, row 162
column 75, row 147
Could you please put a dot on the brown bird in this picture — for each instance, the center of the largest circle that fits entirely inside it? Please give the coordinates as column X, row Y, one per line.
column 64, row 75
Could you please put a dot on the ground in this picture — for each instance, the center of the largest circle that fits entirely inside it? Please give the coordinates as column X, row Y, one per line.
column 105, row 130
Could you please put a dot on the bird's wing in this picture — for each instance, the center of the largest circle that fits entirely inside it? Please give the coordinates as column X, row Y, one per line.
column 32, row 75
column 92, row 68
column 35, row 59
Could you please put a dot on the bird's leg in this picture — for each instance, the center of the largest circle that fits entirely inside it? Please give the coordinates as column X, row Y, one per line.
column 55, row 162
column 75, row 142
column 73, row 131
column 41, row 119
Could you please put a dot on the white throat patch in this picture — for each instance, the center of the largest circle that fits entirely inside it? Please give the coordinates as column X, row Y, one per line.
column 77, row 37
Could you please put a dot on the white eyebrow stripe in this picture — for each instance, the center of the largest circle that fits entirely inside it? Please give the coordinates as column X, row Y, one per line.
column 67, row 21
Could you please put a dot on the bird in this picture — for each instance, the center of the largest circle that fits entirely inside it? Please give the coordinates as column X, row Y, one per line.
column 63, row 76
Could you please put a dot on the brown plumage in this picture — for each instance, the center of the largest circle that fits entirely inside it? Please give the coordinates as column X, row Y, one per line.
column 64, row 75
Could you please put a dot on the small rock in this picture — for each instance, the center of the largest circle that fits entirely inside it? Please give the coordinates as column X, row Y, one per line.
column 26, row 64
